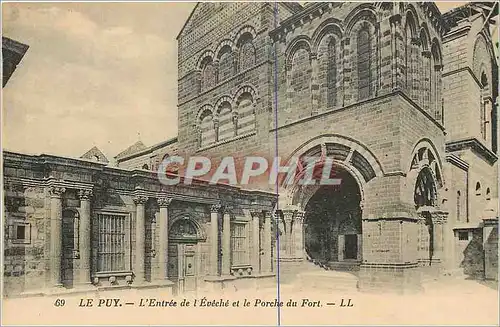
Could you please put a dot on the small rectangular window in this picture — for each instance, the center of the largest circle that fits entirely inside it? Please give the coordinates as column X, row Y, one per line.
column 21, row 233
column 463, row 236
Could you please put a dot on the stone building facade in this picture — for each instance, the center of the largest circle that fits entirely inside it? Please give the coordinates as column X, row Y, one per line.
column 403, row 99
column 80, row 225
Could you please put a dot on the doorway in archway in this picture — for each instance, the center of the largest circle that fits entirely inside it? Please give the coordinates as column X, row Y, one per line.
column 332, row 225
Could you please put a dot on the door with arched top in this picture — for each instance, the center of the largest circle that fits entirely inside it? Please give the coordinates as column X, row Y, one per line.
column 183, row 260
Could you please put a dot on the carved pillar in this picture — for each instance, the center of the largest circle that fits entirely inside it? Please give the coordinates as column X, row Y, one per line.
column 216, row 128
column 254, row 256
column 266, row 244
column 314, row 84
column 226, row 244
column 426, row 80
column 288, row 244
column 216, row 72
column 438, row 104
column 214, row 239
column 396, row 41
column 140, row 236
column 197, row 78
column 85, row 236
column 164, row 203
column 414, row 78
column 439, row 219
column 298, row 234
column 55, row 235
column 488, row 110
column 289, row 89
column 235, row 122
column 346, row 72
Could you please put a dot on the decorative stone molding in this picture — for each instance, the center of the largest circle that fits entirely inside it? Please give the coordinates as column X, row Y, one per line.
column 56, row 191
column 439, row 217
column 140, row 199
column 245, row 270
column 216, row 207
column 164, row 202
column 299, row 216
column 85, row 194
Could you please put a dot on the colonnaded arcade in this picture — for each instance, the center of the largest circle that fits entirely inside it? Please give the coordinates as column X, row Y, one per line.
column 403, row 99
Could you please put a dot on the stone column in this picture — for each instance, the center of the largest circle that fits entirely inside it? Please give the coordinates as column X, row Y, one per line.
column 55, row 235
column 438, row 220
column 314, row 84
column 163, row 202
column 298, row 234
column 266, row 243
column 488, row 109
column 255, row 254
column 216, row 128
column 214, row 239
column 226, row 244
column 288, row 217
column 85, row 236
column 140, row 236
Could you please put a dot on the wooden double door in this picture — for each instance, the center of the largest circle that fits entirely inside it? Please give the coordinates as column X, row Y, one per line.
column 182, row 266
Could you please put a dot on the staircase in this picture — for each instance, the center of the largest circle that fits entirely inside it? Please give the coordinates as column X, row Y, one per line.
column 304, row 276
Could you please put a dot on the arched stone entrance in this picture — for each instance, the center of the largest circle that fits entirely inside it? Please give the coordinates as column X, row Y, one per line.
column 183, row 254
column 332, row 223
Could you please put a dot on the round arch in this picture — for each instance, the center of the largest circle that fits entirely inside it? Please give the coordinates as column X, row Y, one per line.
column 206, row 108
column 300, row 42
column 183, row 228
column 226, row 43
column 206, row 54
column 363, row 12
column 247, row 29
column 329, row 26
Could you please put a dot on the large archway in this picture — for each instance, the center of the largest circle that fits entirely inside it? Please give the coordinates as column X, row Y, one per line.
column 332, row 223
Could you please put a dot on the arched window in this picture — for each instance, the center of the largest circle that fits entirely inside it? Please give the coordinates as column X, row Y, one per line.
column 145, row 166
column 364, row 64
column 459, row 199
column 207, row 130
column 226, row 126
column 478, row 188
column 488, row 194
column 246, row 52
column 301, row 82
column 208, row 78
column 246, row 114
column 331, row 77
column 226, row 63
column 425, row 189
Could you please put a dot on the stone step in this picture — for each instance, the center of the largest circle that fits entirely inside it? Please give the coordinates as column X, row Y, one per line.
column 327, row 280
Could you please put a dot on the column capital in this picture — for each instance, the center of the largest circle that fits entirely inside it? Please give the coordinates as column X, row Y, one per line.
column 394, row 19
column 288, row 214
column 56, row 191
column 439, row 217
column 164, row 201
column 299, row 216
column 416, row 41
column 256, row 213
column 217, row 207
column 140, row 199
column 85, row 194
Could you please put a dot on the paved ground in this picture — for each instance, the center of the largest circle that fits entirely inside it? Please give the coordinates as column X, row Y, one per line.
column 452, row 301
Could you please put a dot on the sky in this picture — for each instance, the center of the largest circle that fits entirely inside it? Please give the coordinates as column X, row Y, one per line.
column 95, row 74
